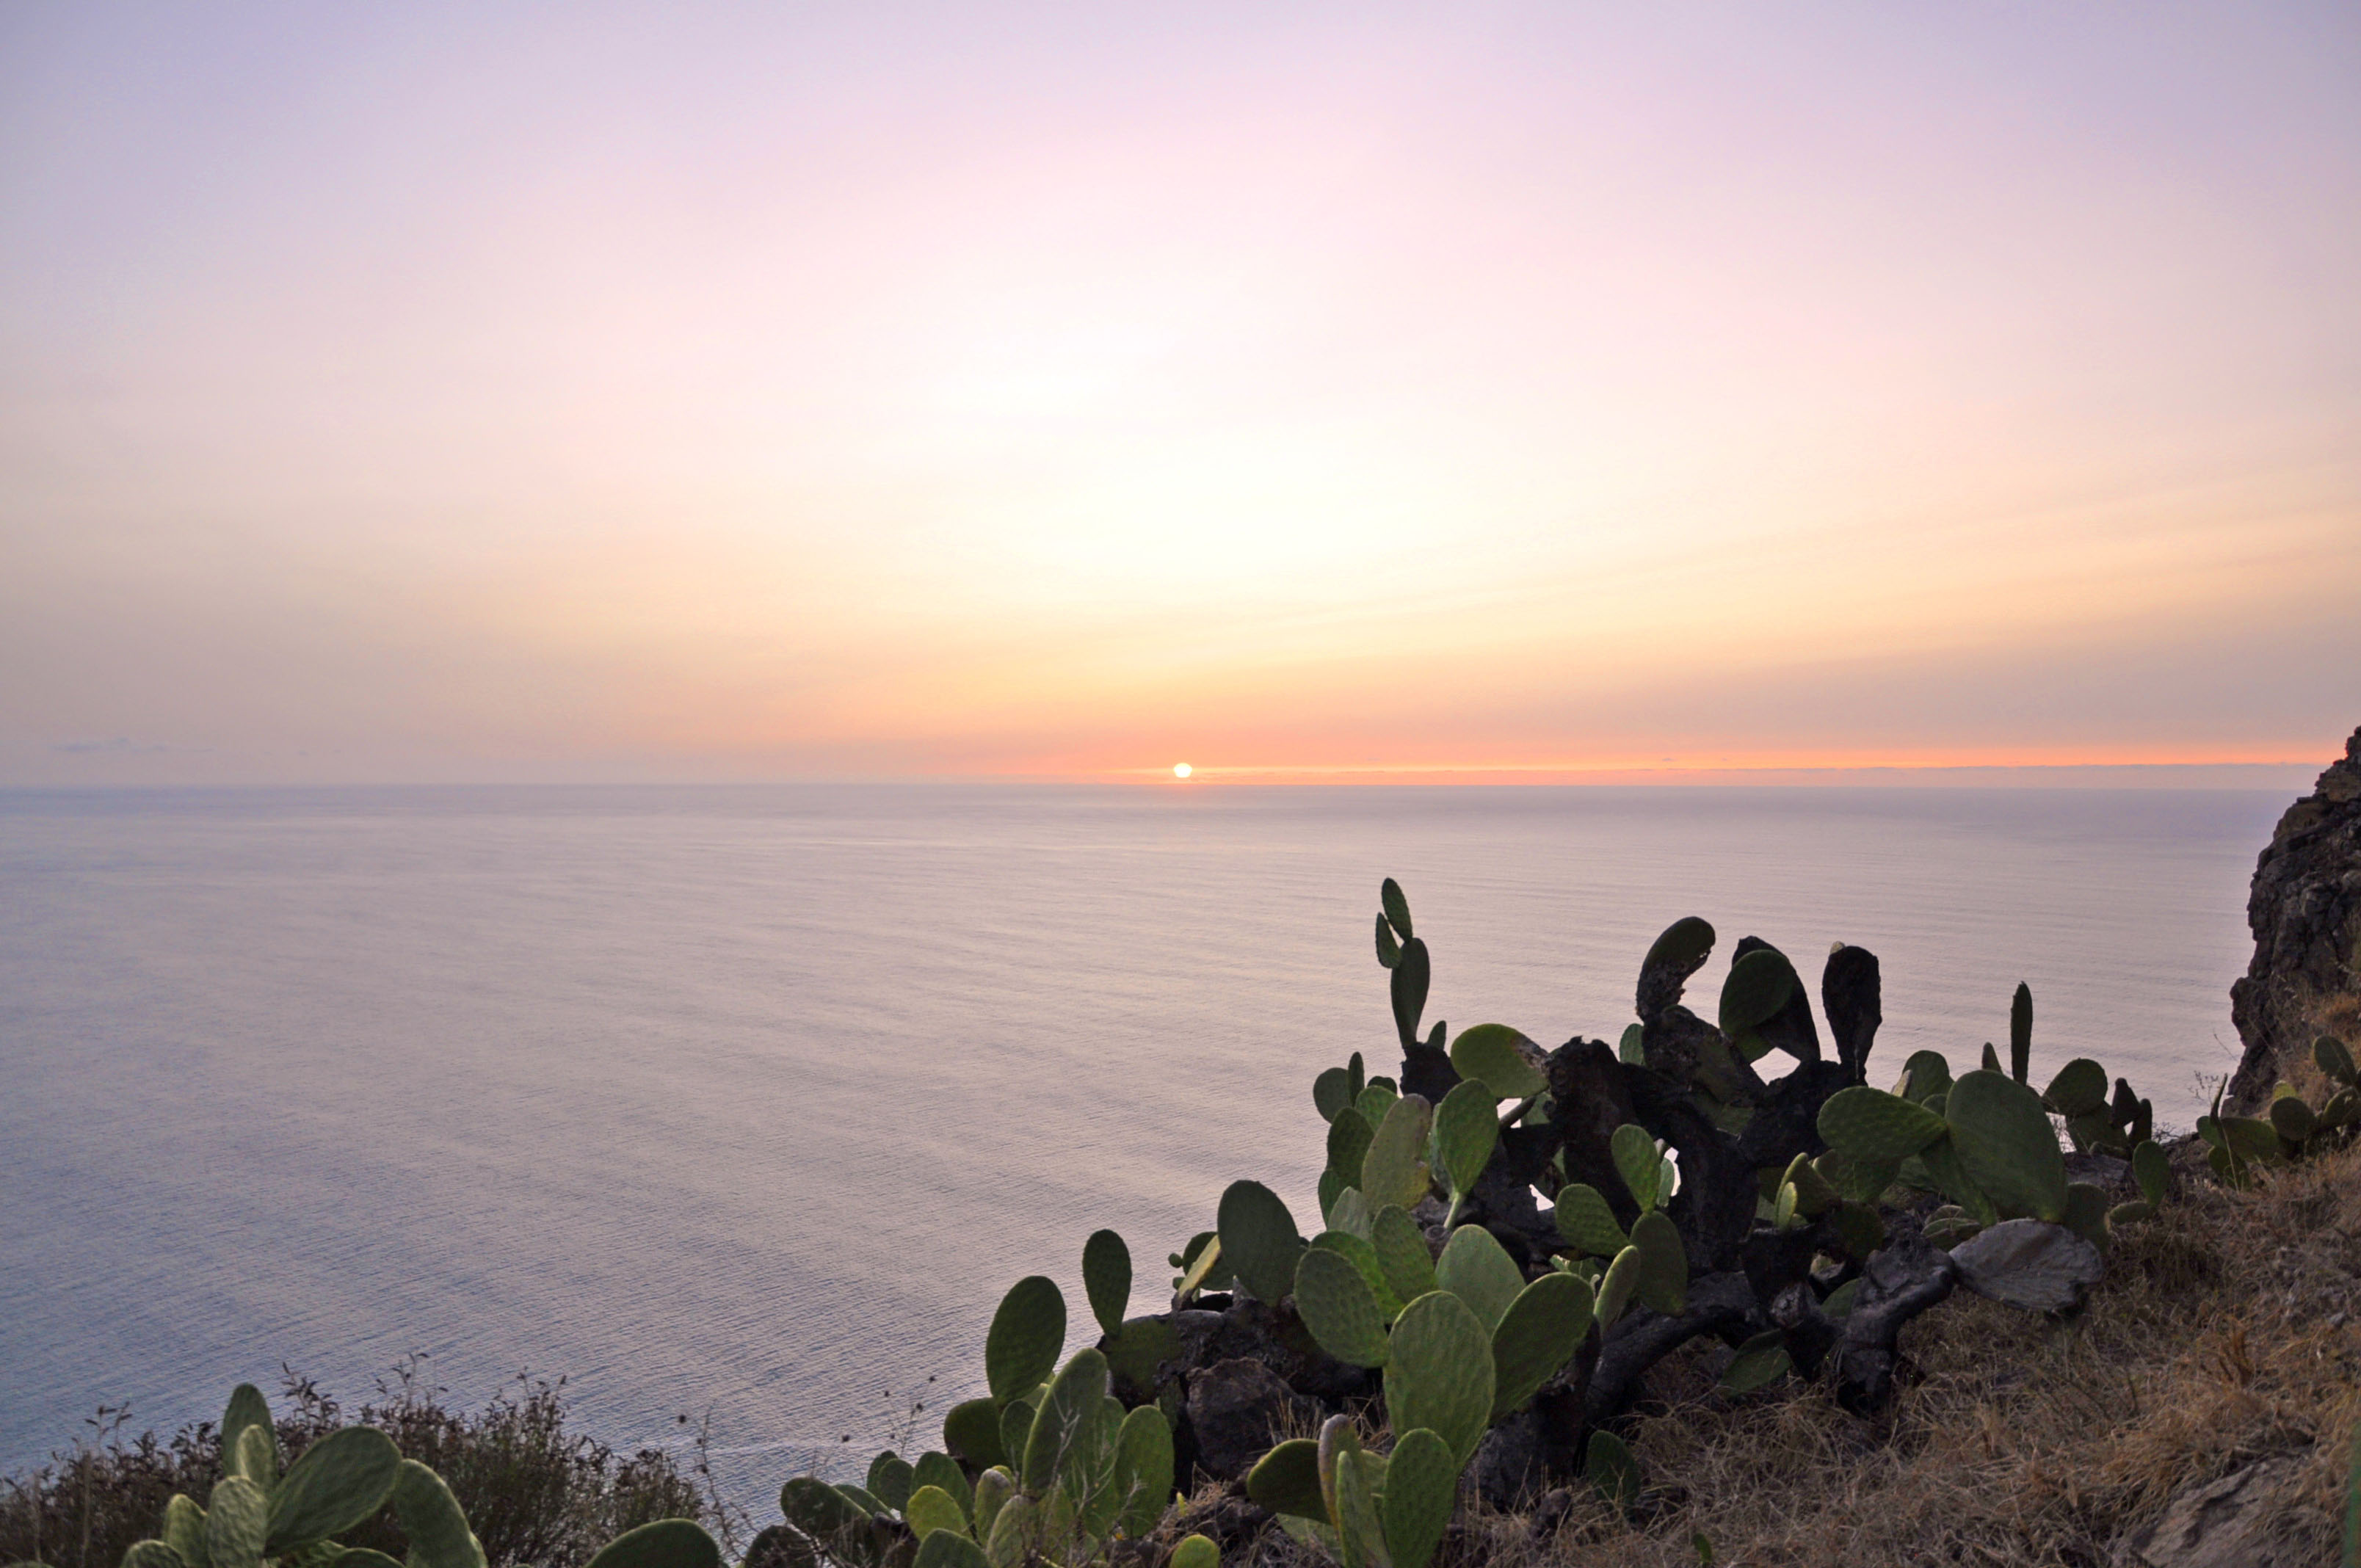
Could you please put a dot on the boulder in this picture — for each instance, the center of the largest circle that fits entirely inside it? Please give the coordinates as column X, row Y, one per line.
column 2248, row 1518
column 2030, row 1264
column 2304, row 909
column 1240, row 1411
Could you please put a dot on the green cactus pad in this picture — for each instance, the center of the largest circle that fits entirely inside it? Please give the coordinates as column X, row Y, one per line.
column 931, row 1509
column 1332, row 1092
column 184, row 1529
column 891, row 1479
column 1260, row 1239
column 992, row 1490
column 2330, row 1055
column 340, row 1480
column 1814, row 1194
column 1585, row 1220
column 1361, row 1254
column 1016, row 1429
column 1466, row 1129
column 826, row 1515
column 246, row 1407
column 431, row 1521
column 2130, row 1213
column 861, row 1498
column 948, row 1548
column 1872, row 1127
column 1195, row 1552
column 1422, row 1485
column 141, row 1555
column 2251, row 1137
column 1440, row 1372
column 2080, row 1088
column 1950, row 1175
column 1478, row 1270
column 1537, row 1335
column 2343, row 1107
column 2292, row 1119
column 1607, row 1465
column 1287, row 1481
column 1029, row 1329
column 663, row 1543
column 2153, row 1169
column 2020, row 1032
column 1840, row 1299
column 1402, row 1255
column 1013, row 1530
column 1924, row 1074
column 972, row 1431
column 1856, row 1180
column 1639, row 1163
column 1358, row 1520
column 1633, row 1048
column 1663, row 1281
column 1066, row 1430
column 237, row 1521
column 1684, row 944
column 1143, row 1471
column 1757, row 988
column 1397, row 907
column 1991, row 1058
column 1207, row 1270
column 1394, row 1170
column 1106, row 1278
column 1500, row 1059
column 941, row 1472
column 1616, row 1287
column 2001, row 1132
column 1350, row 1213
column 1389, row 949
column 1759, row 1363
column 1348, row 1144
column 2086, row 1213
column 1339, row 1309
column 1858, row 1228
column 257, row 1457
column 1377, row 1097
column 1135, row 1351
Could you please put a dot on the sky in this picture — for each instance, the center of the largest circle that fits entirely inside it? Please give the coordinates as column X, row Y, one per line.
column 482, row 392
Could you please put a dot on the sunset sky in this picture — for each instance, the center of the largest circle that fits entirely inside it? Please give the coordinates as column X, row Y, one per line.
column 569, row 391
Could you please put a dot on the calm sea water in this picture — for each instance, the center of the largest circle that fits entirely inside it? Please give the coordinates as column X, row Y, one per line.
column 752, row 1102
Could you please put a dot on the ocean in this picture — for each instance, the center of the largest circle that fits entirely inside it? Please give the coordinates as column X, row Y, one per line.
column 746, row 1104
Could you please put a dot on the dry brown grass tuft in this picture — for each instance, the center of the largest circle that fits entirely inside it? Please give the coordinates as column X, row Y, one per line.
column 2229, row 1328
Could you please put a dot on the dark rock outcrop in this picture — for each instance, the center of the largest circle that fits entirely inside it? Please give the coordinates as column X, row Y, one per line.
column 2305, row 911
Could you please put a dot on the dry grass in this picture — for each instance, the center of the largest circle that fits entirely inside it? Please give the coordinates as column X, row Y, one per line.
column 2228, row 1330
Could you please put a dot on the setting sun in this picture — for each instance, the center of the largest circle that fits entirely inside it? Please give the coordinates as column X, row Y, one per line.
column 1181, row 770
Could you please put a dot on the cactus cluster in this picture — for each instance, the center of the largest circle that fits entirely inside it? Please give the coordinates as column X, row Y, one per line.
column 2290, row 1128
column 258, row 1514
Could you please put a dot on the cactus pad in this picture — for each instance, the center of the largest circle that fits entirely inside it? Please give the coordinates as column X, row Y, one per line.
column 1396, row 907
column 1332, row 1092
column 1584, row 1220
column 942, row 1471
column 1348, row 1144
column 2292, row 1119
column 1500, row 1059
column 1760, row 1362
column 1422, row 1485
column 1616, row 1286
column 2080, row 1088
column 1287, row 1481
column 1663, row 1281
column 950, row 1549
column 1106, row 1278
column 432, row 1520
column 1402, row 1255
column 931, row 1509
column 1640, row 1165
column 1143, row 1470
column 890, row 1479
column 1607, row 1465
column 1466, row 1129
column 1195, row 1552
column 1538, row 1334
column 1028, row 1330
column 1395, row 1169
column 2153, row 1169
column 663, row 1543
column 2004, row 1142
column 237, row 1520
column 1758, row 987
column 1339, row 1309
column 1389, row 949
column 972, row 1431
column 1870, row 1126
column 340, row 1480
column 1478, row 1270
column 2330, row 1055
column 1259, row 1239
column 1440, row 1372
column 1066, row 1433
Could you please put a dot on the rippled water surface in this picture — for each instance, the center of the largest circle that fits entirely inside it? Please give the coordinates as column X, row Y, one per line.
column 753, row 1101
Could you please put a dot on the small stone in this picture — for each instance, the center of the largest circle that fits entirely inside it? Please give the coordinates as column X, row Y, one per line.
column 2027, row 1263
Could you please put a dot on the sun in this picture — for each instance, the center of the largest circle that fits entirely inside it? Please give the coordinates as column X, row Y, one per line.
column 1181, row 770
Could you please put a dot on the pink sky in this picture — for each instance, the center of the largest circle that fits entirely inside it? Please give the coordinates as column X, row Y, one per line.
column 565, row 391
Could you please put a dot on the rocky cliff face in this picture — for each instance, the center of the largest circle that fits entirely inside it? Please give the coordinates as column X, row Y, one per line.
column 2305, row 911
